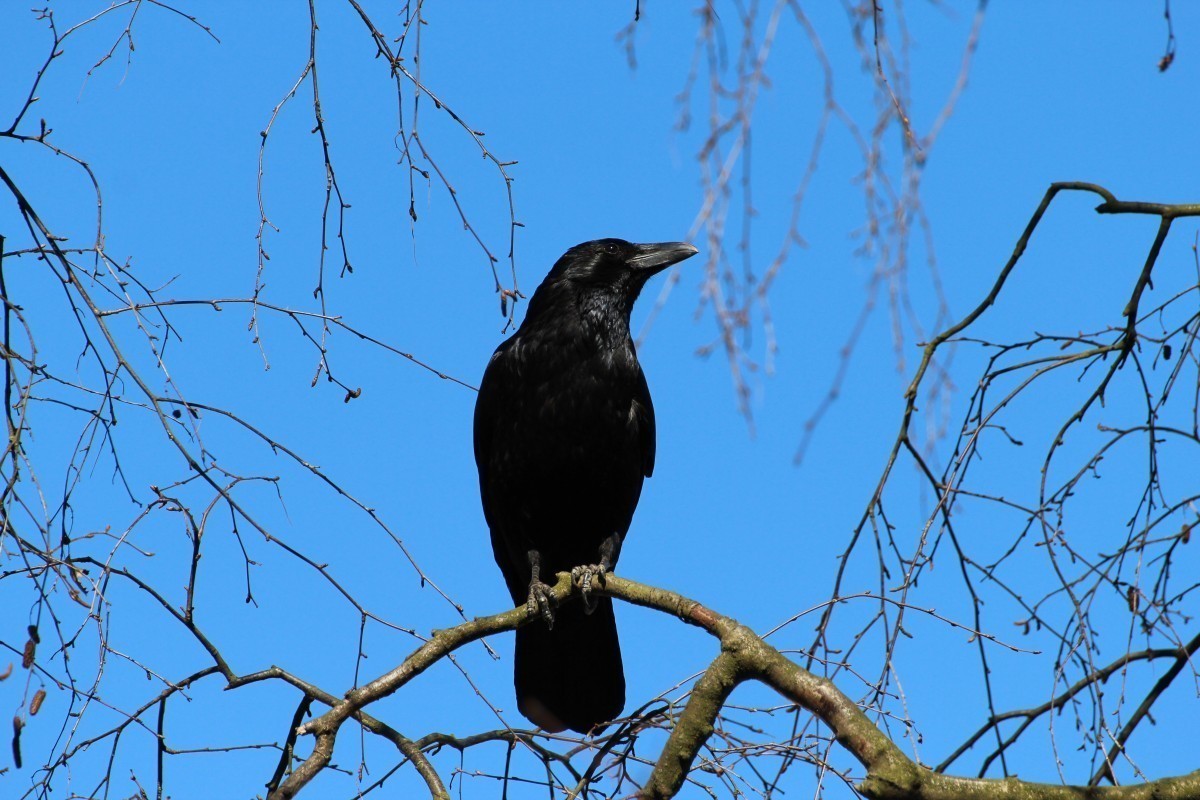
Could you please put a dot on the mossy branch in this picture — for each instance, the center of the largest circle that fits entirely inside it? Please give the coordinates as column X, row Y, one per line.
column 891, row 775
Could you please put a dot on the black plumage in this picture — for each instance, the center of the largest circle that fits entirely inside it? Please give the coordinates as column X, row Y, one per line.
column 564, row 436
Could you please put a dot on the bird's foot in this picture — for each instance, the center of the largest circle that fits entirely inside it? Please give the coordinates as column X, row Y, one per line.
column 541, row 602
column 582, row 576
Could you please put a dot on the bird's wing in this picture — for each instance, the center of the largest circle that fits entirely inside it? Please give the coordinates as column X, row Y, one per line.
column 486, row 412
column 643, row 409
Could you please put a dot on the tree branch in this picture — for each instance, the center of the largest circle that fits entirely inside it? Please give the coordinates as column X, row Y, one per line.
column 891, row 775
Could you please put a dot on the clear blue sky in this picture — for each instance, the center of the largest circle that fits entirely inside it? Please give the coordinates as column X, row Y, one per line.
column 1061, row 91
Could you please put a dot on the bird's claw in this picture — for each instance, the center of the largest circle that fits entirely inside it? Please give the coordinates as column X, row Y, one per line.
column 541, row 602
column 582, row 575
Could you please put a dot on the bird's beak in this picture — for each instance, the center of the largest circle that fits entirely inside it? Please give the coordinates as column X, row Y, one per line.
column 652, row 258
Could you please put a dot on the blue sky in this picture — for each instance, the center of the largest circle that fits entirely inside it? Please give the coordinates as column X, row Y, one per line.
column 1057, row 92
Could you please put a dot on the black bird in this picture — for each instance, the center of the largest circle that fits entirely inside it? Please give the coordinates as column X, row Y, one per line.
column 564, row 435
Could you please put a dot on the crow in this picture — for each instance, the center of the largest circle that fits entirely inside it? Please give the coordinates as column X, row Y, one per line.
column 564, row 436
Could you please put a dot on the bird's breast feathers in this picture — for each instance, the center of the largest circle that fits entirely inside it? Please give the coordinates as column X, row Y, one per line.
column 558, row 389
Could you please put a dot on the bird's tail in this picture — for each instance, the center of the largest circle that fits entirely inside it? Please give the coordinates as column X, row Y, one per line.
column 571, row 676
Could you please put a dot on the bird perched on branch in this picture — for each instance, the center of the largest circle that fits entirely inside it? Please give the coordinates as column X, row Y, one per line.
column 564, row 436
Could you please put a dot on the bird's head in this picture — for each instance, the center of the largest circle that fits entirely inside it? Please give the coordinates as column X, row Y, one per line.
column 610, row 271
column 617, row 263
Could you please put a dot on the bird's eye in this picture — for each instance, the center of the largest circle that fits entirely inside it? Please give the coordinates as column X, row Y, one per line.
column 611, row 248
